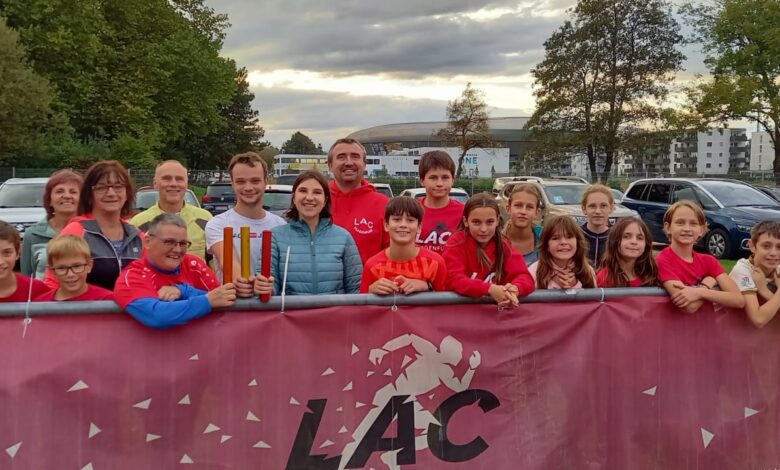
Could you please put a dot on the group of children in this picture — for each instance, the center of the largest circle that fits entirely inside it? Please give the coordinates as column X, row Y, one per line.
column 439, row 244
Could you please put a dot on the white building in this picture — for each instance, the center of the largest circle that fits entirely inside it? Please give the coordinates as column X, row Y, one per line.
column 290, row 164
column 712, row 152
column 478, row 163
column 762, row 152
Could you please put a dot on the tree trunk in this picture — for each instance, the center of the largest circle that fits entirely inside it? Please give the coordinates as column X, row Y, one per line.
column 609, row 156
column 594, row 173
column 460, row 164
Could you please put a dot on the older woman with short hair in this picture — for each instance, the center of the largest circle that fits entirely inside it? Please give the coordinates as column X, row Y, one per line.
column 61, row 202
column 106, row 200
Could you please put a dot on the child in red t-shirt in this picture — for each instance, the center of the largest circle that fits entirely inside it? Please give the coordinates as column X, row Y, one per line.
column 15, row 287
column 480, row 261
column 70, row 262
column 403, row 267
column 628, row 256
column 442, row 213
column 687, row 275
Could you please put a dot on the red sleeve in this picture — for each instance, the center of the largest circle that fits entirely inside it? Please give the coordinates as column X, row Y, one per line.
column 204, row 277
column 517, row 272
column 440, row 281
column 368, row 277
column 131, row 285
column 457, row 280
column 665, row 269
column 715, row 267
column 601, row 278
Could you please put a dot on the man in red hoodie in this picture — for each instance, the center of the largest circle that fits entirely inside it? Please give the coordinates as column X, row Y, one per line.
column 355, row 204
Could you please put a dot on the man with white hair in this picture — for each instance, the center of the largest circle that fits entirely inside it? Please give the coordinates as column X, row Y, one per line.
column 170, row 179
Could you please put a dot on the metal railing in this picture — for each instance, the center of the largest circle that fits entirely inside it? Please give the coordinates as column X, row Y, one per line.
column 21, row 309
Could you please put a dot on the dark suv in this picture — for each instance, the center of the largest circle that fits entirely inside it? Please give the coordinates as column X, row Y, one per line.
column 219, row 197
column 731, row 208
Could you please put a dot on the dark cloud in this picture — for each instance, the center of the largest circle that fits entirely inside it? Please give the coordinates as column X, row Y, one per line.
column 404, row 38
column 327, row 116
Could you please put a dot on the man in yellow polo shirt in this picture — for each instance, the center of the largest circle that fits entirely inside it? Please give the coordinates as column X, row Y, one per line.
column 170, row 179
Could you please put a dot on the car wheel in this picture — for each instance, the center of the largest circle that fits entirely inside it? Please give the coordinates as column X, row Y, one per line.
column 717, row 243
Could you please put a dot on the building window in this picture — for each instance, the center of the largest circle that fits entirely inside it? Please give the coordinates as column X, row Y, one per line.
column 709, row 144
column 720, row 154
column 709, row 165
column 709, row 155
column 417, row 162
column 721, row 144
column 720, row 165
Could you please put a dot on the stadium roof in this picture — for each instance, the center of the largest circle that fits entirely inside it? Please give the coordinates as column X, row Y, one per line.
column 503, row 129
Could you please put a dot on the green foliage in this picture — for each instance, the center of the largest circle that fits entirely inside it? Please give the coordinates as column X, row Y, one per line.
column 25, row 100
column 134, row 152
column 268, row 154
column 742, row 46
column 603, row 78
column 467, row 124
column 145, row 73
column 300, row 144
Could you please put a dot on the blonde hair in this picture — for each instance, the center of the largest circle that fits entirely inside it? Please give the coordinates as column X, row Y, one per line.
column 67, row 245
column 697, row 211
column 597, row 188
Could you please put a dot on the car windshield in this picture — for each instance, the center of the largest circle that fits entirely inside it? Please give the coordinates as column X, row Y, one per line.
column 384, row 190
column 21, row 195
column 220, row 190
column 565, row 194
column 462, row 198
column 736, row 195
column 277, row 201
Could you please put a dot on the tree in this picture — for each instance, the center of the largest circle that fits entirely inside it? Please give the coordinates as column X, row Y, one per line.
column 240, row 132
column 467, row 124
column 603, row 78
column 742, row 45
column 25, row 100
column 300, row 144
column 268, row 154
column 149, row 70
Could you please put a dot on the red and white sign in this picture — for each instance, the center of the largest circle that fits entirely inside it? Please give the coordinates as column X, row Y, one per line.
column 629, row 383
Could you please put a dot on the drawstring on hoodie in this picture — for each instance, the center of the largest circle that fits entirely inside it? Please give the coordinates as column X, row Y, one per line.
column 27, row 320
column 284, row 278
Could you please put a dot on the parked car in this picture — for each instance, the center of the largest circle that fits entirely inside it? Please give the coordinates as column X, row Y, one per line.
column 218, row 198
column 21, row 202
column 618, row 195
column 560, row 197
column 383, row 188
column 458, row 194
column 286, row 179
column 499, row 183
column 277, row 198
column 731, row 207
column 147, row 196
column 770, row 191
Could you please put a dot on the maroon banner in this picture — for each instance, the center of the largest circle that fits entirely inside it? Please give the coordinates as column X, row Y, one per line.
column 624, row 384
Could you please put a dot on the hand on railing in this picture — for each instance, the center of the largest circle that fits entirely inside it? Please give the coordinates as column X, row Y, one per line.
column 169, row 293
column 264, row 285
column 222, row 296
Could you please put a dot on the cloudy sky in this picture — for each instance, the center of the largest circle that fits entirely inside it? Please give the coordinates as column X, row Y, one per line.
column 328, row 68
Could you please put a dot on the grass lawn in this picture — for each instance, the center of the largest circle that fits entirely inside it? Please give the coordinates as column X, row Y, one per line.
column 727, row 264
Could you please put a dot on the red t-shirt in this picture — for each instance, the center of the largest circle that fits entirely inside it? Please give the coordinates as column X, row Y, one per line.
column 92, row 293
column 23, row 289
column 601, row 280
column 140, row 280
column 438, row 225
column 673, row 268
column 426, row 266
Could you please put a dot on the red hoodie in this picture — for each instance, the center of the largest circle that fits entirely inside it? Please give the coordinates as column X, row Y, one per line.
column 467, row 276
column 362, row 212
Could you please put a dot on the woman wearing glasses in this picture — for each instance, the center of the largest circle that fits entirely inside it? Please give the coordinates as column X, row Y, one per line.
column 106, row 200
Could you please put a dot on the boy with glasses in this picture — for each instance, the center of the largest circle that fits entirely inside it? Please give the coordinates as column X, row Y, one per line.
column 70, row 262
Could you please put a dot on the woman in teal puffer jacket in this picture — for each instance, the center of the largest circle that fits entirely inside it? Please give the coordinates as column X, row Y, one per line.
column 318, row 256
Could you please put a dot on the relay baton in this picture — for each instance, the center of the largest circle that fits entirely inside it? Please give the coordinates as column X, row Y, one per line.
column 227, row 255
column 265, row 268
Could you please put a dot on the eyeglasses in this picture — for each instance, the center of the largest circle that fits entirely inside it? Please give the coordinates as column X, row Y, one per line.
column 103, row 188
column 63, row 270
column 170, row 243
